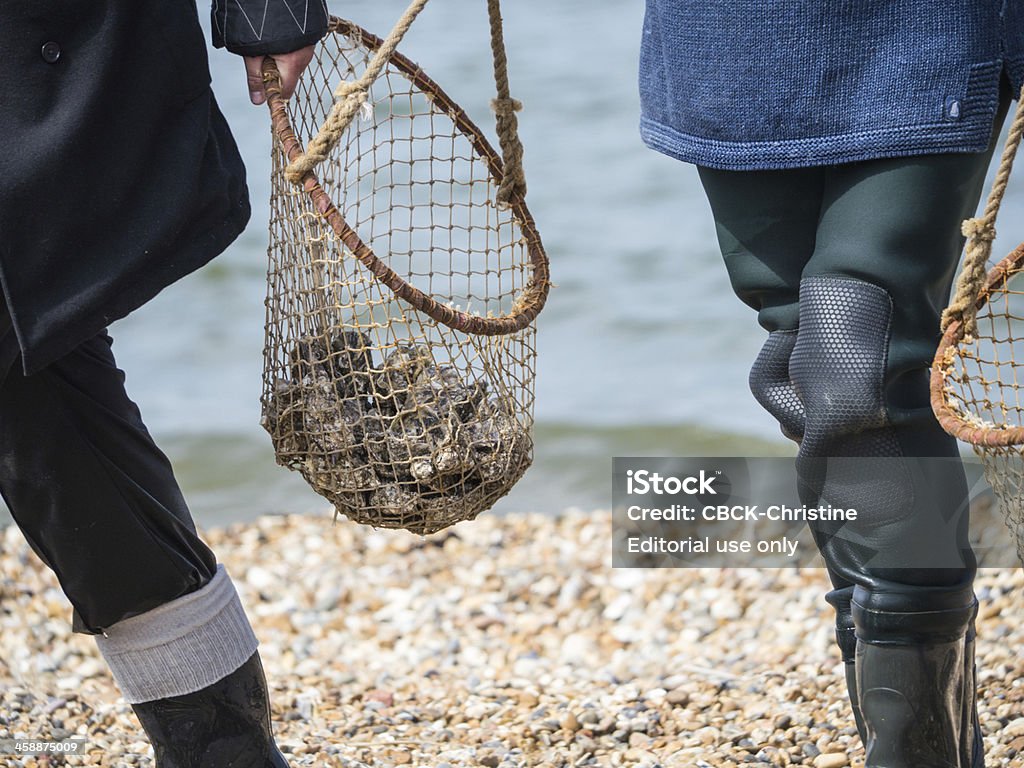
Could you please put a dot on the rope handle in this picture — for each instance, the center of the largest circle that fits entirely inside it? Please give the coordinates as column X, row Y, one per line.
column 980, row 233
column 505, row 107
column 350, row 96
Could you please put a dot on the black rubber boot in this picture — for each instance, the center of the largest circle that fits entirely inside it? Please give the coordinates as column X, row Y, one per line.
column 972, row 745
column 915, row 677
column 226, row 725
column 913, row 699
column 851, row 688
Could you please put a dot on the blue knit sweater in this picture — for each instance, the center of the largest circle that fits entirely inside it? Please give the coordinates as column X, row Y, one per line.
column 758, row 84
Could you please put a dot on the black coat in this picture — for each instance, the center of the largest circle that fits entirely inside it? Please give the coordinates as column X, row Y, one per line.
column 118, row 174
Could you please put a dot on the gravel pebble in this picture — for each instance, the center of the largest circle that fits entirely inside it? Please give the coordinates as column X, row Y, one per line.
column 832, row 760
column 506, row 642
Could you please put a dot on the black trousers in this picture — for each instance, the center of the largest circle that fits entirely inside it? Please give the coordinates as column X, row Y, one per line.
column 849, row 268
column 93, row 494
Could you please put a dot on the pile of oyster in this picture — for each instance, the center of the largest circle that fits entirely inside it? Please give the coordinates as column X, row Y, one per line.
column 404, row 443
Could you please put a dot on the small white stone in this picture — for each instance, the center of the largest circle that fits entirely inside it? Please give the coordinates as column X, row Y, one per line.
column 616, row 609
column 260, row 578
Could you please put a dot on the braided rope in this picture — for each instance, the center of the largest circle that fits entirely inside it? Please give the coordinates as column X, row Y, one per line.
column 349, row 98
column 980, row 233
column 505, row 107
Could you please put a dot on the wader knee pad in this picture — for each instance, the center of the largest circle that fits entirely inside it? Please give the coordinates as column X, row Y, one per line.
column 838, row 367
column 911, row 512
column 849, row 456
column 771, row 385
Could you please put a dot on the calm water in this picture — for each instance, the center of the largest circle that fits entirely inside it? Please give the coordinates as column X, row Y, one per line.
column 642, row 347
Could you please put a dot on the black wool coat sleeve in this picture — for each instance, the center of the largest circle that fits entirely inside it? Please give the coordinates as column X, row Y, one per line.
column 119, row 174
column 257, row 27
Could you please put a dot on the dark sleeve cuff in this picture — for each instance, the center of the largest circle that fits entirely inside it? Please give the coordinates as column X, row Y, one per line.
column 263, row 27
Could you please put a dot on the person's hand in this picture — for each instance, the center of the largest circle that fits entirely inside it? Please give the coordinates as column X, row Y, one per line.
column 291, row 66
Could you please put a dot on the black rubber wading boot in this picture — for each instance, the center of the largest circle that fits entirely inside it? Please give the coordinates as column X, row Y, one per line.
column 972, row 748
column 912, row 698
column 851, row 687
column 226, row 725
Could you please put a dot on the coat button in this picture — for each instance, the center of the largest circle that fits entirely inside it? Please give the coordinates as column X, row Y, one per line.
column 50, row 52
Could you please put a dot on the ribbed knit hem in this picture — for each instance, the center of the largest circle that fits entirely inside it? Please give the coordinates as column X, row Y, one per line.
column 971, row 135
column 1015, row 66
column 182, row 646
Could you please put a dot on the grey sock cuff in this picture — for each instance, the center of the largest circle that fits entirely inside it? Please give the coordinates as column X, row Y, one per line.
column 182, row 646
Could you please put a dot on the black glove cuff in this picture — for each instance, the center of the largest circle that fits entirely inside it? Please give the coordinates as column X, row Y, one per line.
column 262, row 27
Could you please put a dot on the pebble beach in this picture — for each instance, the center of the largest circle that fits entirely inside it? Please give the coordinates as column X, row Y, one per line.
column 506, row 642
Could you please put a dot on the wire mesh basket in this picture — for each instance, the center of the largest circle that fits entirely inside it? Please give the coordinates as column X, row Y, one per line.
column 977, row 382
column 405, row 277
